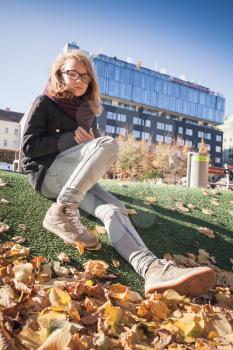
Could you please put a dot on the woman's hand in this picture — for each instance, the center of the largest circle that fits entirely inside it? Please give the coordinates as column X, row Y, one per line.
column 81, row 135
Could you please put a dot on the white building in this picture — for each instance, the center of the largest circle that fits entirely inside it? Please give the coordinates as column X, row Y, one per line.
column 9, row 129
column 227, row 129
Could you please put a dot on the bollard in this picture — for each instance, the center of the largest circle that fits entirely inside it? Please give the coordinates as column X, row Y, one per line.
column 197, row 169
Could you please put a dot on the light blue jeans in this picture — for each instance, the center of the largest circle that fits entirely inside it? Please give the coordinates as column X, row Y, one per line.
column 72, row 178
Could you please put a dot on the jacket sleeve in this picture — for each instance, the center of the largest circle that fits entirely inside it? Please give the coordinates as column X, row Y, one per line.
column 95, row 130
column 35, row 142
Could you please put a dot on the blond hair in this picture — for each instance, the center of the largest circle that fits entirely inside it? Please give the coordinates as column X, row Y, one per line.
column 57, row 87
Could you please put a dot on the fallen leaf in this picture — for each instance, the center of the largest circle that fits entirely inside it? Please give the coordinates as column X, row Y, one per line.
column 4, row 227
column 23, row 227
column 2, row 183
column 63, row 257
column 59, row 297
column 18, row 239
column 96, row 267
column 151, row 199
column 180, row 206
column 191, row 206
column 4, row 201
column 205, row 193
column 116, row 263
column 207, row 211
column 131, row 211
column 206, row 231
column 80, row 247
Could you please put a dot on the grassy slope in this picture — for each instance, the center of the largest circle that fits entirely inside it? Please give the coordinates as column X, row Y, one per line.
column 162, row 229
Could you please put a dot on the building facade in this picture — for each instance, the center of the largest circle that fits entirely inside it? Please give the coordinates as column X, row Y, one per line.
column 9, row 129
column 227, row 129
column 156, row 106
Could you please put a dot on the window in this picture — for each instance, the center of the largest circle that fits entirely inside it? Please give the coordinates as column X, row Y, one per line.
column 5, row 143
column 6, row 130
column 218, row 149
column 16, row 131
column 159, row 138
column 121, row 117
column 136, row 134
column 180, row 142
column 180, row 130
column 111, row 115
column 136, row 120
column 168, row 139
column 208, row 146
column 160, row 126
column 115, row 116
column 120, row 130
column 140, row 121
column 219, row 138
column 145, row 135
column 189, row 132
column 110, row 129
column 201, row 134
column 148, row 123
column 217, row 160
column 208, row 136
column 168, row 127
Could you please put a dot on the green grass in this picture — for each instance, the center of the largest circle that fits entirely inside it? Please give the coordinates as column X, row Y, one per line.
column 162, row 229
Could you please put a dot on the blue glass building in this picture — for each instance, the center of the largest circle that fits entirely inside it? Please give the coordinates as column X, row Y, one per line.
column 157, row 106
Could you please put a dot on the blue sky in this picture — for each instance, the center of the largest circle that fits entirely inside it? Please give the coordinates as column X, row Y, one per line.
column 192, row 38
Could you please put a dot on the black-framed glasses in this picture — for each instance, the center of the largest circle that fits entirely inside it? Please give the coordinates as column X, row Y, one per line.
column 73, row 75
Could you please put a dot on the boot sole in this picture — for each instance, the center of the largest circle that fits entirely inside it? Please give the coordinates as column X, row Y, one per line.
column 190, row 285
column 50, row 228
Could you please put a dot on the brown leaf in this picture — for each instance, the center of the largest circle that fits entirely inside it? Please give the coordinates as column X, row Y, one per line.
column 18, row 239
column 206, row 231
column 23, row 227
column 96, row 267
column 116, row 263
column 181, row 207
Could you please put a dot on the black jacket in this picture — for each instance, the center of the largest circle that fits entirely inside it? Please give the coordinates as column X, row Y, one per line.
column 48, row 132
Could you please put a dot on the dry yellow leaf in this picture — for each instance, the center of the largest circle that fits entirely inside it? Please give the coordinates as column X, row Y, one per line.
column 59, row 297
column 151, row 199
column 131, row 211
column 96, row 267
column 80, row 247
column 23, row 227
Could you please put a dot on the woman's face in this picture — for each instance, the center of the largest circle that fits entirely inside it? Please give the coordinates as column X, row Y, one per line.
column 72, row 71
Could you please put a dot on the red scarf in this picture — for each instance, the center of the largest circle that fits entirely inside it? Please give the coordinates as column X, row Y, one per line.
column 78, row 108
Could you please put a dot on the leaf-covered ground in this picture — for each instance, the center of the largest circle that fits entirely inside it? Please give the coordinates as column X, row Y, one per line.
column 72, row 300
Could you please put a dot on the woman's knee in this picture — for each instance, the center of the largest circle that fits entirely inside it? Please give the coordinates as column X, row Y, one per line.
column 110, row 143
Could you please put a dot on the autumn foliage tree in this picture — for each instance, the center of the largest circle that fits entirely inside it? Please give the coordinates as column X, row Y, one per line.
column 142, row 160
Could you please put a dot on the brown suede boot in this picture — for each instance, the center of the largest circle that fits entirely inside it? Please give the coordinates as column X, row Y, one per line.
column 163, row 274
column 64, row 221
